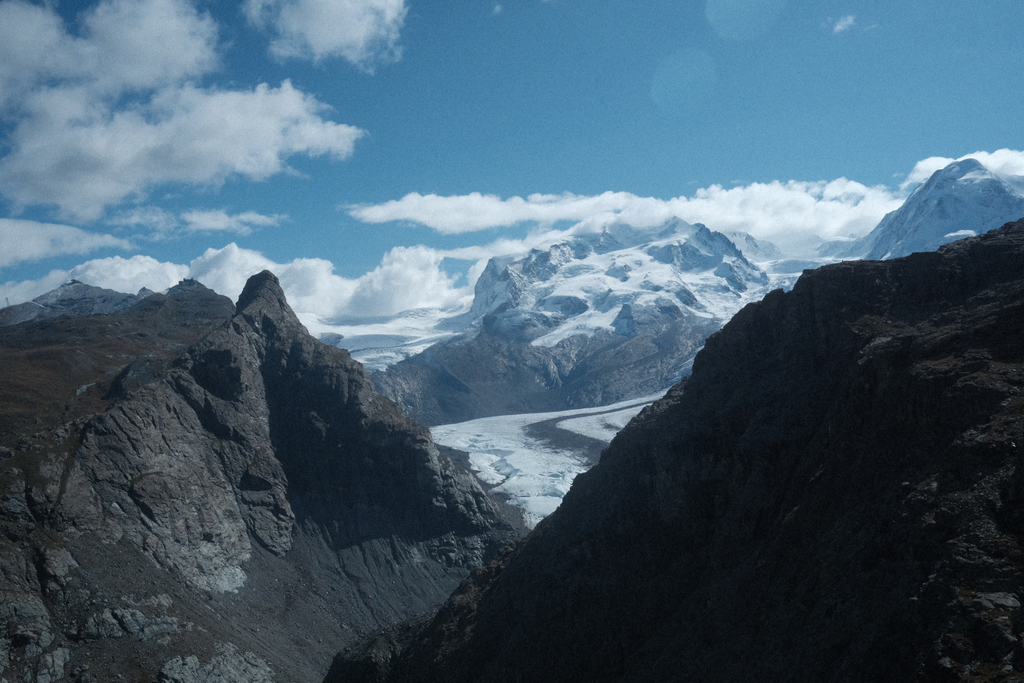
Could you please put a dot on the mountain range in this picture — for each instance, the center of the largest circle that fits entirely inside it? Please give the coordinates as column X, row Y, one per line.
column 195, row 490
column 597, row 318
column 834, row 494
column 587, row 321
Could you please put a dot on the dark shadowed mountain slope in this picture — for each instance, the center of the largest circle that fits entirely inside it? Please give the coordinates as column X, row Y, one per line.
column 835, row 494
column 229, row 510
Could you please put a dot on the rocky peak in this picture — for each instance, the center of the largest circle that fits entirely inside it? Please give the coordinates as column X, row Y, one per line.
column 263, row 304
column 253, row 474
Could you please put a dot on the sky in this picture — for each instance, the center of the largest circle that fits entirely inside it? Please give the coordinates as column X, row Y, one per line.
column 374, row 153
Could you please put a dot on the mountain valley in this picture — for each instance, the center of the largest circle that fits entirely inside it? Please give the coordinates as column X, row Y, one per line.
column 194, row 490
column 832, row 495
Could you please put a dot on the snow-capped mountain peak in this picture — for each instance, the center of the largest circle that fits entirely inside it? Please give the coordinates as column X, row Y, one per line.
column 963, row 199
column 615, row 280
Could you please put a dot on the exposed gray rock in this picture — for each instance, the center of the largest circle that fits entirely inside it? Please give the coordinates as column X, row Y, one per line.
column 228, row 666
column 250, row 489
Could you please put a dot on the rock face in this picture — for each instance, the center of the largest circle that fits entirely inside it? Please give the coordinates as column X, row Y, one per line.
column 835, row 494
column 233, row 508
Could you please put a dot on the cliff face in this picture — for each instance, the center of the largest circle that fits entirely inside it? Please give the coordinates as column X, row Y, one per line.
column 835, row 494
column 240, row 503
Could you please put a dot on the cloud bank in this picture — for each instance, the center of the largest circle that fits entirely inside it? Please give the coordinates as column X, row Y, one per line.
column 795, row 215
column 792, row 214
column 407, row 278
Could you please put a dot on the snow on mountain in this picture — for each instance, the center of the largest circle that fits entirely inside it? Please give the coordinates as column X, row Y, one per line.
column 961, row 200
column 71, row 298
column 378, row 343
column 623, row 280
column 618, row 279
column 590, row 318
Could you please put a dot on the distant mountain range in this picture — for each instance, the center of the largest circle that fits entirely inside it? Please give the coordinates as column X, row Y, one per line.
column 590, row 320
column 71, row 298
column 599, row 318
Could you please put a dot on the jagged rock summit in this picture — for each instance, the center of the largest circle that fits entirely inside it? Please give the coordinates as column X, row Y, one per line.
column 835, row 494
column 229, row 509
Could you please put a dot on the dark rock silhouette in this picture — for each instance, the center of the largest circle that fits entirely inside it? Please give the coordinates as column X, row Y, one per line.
column 835, row 494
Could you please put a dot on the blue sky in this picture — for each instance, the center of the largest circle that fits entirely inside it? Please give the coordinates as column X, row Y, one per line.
column 375, row 152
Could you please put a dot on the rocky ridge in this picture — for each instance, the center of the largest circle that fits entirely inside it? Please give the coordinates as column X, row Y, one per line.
column 835, row 494
column 227, row 511
column 71, row 298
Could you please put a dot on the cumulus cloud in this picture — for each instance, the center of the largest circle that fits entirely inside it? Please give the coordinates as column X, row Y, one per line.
column 1005, row 162
column 364, row 32
column 844, row 24
column 407, row 278
column 122, row 45
column 32, row 241
column 113, row 111
column 120, row 274
column 793, row 213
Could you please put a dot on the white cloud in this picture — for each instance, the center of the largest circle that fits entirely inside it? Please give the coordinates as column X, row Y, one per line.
column 122, row 46
column 364, row 32
column 407, row 278
column 114, row 111
column 83, row 159
column 131, row 274
column 844, row 24
column 792, row 213
column 159, row 221
column 120, row 274
column 219, row 220
column 475, row 211
column 33, row 241
column 1004, row 162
